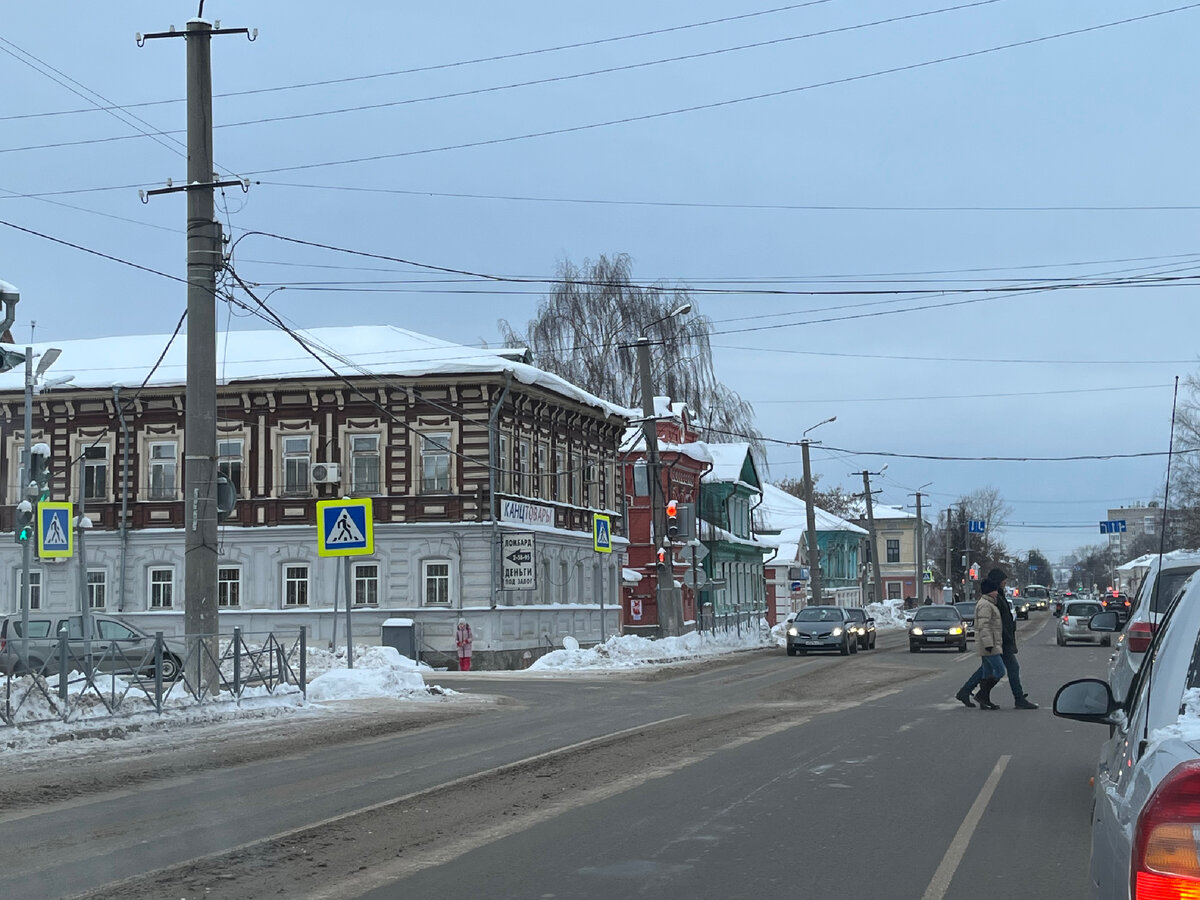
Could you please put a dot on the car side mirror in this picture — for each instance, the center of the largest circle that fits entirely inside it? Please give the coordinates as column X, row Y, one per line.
column 1105, row 621
column 1087, row 700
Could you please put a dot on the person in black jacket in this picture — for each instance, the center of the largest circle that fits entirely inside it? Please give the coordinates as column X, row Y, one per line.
column 997, row 577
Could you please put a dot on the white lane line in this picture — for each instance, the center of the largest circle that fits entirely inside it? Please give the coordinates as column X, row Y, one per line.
column 958, row 847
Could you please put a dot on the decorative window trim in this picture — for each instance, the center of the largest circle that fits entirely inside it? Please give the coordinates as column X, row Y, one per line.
column 369, row 582
column 146, row 443
column 349, row 436
column 289, row 575
column 243, row 489
column 223, row 602
column 285, row 431
column 155, row 599
column 425, row 427
column 447, row 578
column 102, row 584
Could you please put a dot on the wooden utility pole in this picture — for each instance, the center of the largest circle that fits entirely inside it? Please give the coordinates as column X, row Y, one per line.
column 879, row 598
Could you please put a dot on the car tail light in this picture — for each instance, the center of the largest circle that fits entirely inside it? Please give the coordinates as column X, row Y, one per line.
column 1166, row 841
column 1139, row 636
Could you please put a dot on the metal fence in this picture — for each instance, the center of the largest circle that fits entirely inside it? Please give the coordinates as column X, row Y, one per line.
column 80, row 680
column 739, row 620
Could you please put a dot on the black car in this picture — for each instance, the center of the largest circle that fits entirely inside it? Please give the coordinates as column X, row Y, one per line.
column 967, row 611
column 822, row 628
column 864, row 627
column 937, row 627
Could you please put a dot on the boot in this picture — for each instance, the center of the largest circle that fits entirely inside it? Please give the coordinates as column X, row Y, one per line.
column 1023, row 702
column 985, row 693
column 964, row 697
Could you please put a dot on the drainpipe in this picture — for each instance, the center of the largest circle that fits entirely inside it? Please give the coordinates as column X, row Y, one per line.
column 124, row 495
column 493, row 452
column 762, row 496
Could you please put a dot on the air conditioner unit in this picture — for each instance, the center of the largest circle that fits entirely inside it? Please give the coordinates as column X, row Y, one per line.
column 324, row 473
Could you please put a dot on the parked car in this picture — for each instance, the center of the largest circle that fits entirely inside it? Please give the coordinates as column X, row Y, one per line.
column 864, row 627
column 117, row 646
column 967, row 611
column 1038, row 596
column 1073, row 625
column 822, row 628
column 1159, row 589
column 937, row 626
column 1145, row 819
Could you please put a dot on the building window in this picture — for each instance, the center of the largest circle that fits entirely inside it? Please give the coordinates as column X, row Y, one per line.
column 95, row 473
column 97, row 588
column 229, row 462
column 364, row 464
column 1148, row 524
column 893, row 550
column 593, row 483
column 35, row 589
column 893, row 590
column 523, row 468
column 162, row 588
column 435, row 575
column 560, row 476
column 297, row 460
column 543, row 471
column 563, row 592
column 295, row 585
column 435, row 462
column 366, row 584
column 504, row 476
column 229, row 586
column 162, row 470
column 576, row 481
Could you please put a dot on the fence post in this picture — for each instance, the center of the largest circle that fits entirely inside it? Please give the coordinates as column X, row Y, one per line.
column 158, row 664
column 237, row 663
column 62, row 669
column 304, row 661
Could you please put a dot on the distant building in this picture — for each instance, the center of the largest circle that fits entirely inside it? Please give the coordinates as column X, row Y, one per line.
column 896, row 546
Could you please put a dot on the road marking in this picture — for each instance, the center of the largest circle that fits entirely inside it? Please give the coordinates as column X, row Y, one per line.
column 958, row 847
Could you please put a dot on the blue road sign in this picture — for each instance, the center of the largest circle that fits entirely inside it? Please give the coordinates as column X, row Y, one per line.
column 601, row 533
column 1112, row 526
column 54, row 529
column 976, row 526
column 344, row 528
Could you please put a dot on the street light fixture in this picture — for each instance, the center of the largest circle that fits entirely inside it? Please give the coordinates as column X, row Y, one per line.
column 814, row 550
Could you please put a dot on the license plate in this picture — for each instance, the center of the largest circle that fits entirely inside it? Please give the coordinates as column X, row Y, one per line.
column 811, row 643
column 936, row 639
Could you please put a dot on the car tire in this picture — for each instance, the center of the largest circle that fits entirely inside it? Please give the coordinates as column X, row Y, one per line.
column 962, row 648
column 791, row 650
column 845, row 650
column 172, row 667
column 854, row 646
column 1059, row 639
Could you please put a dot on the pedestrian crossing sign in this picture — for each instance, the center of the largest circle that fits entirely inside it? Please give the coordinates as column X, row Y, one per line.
column 55, row 537
column 344, row 528
column 601, row 533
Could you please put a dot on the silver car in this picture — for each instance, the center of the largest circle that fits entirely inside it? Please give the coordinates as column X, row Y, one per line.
column 1073, row 624
column 1145, row 819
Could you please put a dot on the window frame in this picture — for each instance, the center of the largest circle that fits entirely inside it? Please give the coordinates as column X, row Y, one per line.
column 287, row 462
column 562, row 481
column 425, row 484
column 890, row 545
column 223, row 587
column 290, row 576
column 162, row 463
column 90, row 466
column 374, row 455
column 366, row 583
column 230, row 465
column 445, row 579
column 156, row 589
column 103, row 588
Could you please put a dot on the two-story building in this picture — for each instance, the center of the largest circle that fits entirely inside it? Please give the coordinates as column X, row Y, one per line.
column 456, row 447
column 729, row 492
column 896, row 546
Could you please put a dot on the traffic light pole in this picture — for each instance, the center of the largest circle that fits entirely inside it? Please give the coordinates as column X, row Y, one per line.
column 27, row 550
column 669, row 623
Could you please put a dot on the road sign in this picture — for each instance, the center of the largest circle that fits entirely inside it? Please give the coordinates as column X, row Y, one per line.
column 976, row 526
column 55, row 537
column 345, row 528
column 518, row 555
column 1113, row 526
column 601, row 533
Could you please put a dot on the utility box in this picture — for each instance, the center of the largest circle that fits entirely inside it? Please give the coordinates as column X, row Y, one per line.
column 686, row 518
column 402, row 635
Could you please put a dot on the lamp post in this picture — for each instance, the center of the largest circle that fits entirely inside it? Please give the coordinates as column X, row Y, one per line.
column 814, row 551
column 670, row 614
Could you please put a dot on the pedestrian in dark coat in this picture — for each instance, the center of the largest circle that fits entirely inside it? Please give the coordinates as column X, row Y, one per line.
column 1008, row 648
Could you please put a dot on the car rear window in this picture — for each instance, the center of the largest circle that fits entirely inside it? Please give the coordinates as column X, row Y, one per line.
column 1083, row 609
column 38, row 628
column 1161, row 594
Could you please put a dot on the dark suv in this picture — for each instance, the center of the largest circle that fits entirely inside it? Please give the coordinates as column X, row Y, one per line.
column 864, row 627
column 116, row 646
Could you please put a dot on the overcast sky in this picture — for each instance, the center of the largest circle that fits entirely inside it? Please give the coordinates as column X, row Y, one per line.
column 1050, row 162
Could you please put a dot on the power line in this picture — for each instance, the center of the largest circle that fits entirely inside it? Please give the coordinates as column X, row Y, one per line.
column 1104, row 390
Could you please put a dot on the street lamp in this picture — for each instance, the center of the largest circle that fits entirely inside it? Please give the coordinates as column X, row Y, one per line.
column 814, row 551
column 670, row 613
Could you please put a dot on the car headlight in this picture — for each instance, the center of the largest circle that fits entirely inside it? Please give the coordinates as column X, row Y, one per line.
column 836, row 632
column 793, row 632
column 917, row 631
column 956, row 630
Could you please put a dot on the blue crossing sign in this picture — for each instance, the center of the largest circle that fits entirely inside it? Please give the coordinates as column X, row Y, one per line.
column 976, row 526
column 601, row 533
column 344, row 528
column 55, row 537
column 1112, row 526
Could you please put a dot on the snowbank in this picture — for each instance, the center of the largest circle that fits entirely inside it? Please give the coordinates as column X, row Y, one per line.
column 630, row 651
column 888, row 615
column 377, row 672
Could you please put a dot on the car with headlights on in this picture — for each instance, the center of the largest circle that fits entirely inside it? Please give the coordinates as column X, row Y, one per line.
column 822, row 628
column 1145, row 825
column 1038, row 596
column 937, row 627
column 1073, row 625
column 967, row 611
column 1019, row 607
column 864, row 627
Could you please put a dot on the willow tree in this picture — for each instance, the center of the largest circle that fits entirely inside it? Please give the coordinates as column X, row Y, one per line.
column 585, row 329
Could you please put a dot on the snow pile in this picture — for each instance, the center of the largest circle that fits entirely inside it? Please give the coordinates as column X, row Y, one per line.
column 377, row 672
column 888, row 615
column 631, row 651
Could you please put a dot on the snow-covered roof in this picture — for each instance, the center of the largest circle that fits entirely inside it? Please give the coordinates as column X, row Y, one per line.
column 634, row 441
column 349, row 350
column 884, row 511
column 728, row 462
column 780, row 511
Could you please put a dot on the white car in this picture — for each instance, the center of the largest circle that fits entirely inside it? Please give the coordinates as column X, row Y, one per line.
column 1146, row 818
column 1159, row 588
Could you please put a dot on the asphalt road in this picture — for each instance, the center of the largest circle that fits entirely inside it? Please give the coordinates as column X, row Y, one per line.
column 854, row 777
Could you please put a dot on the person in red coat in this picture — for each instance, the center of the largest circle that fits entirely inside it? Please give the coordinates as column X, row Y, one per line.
column 462, row 641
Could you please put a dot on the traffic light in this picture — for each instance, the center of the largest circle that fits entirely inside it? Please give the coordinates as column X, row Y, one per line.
column 975, row 572
column 39, row 472
column 672, row 520
column 23, row 522
column 662, row 556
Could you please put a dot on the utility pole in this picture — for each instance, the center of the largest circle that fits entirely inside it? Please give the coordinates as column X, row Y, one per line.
column 949, row 551
column 204, row 258
column 920, row 548
column 967, row 591
column 668, row 622
column 874, row 540
column 814, row 548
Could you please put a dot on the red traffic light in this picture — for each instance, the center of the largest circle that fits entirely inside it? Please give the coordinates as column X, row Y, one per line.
column 662, row 556
column 672, row 508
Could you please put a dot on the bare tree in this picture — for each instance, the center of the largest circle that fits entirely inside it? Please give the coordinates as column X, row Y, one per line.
column 584, row 329
column 836, row 500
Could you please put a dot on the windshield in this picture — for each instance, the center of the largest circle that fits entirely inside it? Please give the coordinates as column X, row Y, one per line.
column 933, row 614
column 1083, row 609
column 1033, row 592
column 819, row 614
column 967, row 610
